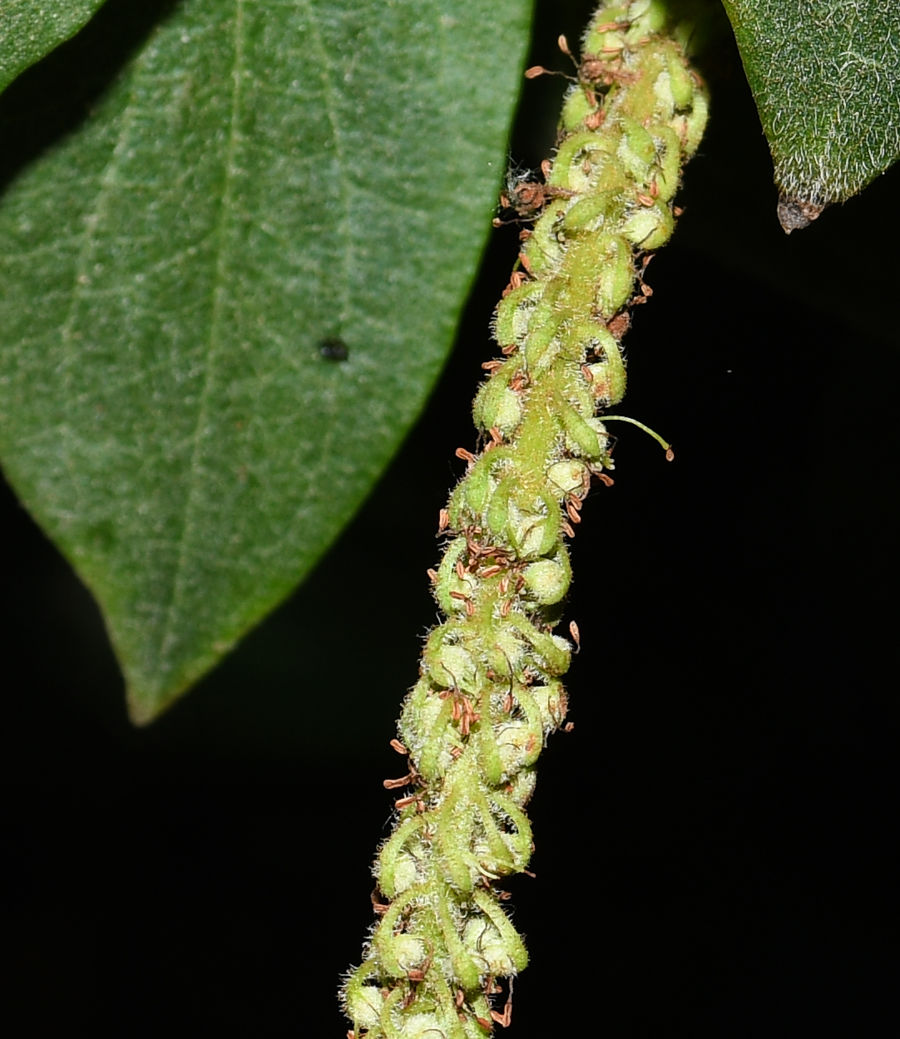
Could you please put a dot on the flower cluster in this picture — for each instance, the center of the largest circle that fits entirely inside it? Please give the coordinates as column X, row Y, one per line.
column 489, row 690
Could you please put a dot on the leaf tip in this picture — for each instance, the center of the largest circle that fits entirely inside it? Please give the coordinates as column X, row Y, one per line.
column 145, row 705
column 142, row 710
column 796, row 213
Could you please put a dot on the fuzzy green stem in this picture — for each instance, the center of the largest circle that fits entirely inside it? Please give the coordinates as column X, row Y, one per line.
column 488, row 693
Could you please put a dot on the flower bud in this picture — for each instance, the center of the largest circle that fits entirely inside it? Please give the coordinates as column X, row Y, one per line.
column 543, row 248
column 649, row 226
column 615, row 277
column 514, row 312
column 576, row 108
column 497, row 406
column 547, row 580
column 587, row 214
column 487, row 948
column 567, row 476
column 636, row 150
column 680, row 83
column 551, row 702
column 363, row 1003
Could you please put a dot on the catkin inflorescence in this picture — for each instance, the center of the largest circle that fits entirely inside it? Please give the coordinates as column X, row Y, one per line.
column 489, row 690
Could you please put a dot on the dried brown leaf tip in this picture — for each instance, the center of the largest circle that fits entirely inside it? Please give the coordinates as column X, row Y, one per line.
column 795, row 213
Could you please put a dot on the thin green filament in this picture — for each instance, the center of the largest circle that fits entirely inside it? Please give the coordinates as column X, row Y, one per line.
column 634, row 422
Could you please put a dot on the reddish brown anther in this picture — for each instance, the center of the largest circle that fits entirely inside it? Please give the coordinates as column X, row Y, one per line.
column 396, row 784
column 535, row 71
column 516, row 279
column 592, row 69
column 619, row 325
column 528, row 197
column 443, row 520
column 505, row 1019
column 398, row 746
column 467, row 456
column 670, row 455
column 576, row 635
column 491, row 366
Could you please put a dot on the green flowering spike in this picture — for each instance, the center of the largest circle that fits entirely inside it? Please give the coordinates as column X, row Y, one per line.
column 489, row 693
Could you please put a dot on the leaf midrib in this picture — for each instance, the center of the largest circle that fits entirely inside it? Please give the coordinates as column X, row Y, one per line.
column 167, row 636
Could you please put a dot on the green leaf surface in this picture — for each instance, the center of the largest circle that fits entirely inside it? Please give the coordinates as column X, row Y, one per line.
column 826, row 78
column 29, row 29
column 263, row 179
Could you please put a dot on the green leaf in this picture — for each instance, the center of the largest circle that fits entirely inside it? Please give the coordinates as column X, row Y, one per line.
column 826, row 78
column 29, row 29
column 264, row 180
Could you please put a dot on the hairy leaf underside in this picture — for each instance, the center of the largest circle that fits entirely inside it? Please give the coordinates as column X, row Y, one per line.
column 826, row 78
column 29, row 30
column 226, row 296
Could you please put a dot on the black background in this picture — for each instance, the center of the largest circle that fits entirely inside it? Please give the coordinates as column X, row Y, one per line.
column 711, row 838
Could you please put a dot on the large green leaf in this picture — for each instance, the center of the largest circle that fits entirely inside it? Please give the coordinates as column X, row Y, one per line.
column 264, row 178
column 29, row 29
column 826, row 78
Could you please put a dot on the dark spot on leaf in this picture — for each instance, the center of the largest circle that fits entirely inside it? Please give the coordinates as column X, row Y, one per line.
column 334, row 349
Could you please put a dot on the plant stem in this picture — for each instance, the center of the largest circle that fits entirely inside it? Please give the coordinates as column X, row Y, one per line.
column 489, row 690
